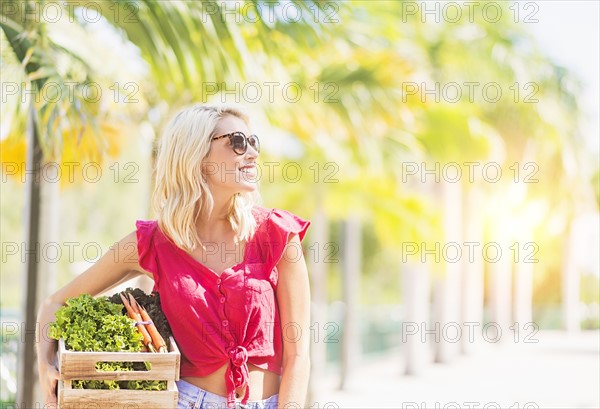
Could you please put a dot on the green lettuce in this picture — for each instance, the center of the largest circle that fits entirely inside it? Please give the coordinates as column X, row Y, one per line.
column 96, row 324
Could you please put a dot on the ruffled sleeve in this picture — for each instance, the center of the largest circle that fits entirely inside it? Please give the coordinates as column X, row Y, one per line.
column 147, row 254
column 281, row 225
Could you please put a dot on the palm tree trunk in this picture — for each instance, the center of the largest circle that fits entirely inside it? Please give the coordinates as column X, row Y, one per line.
column 416, row 299
column 447, row 286
column 144, row 282
column 472, row 277
column 29, row 300
column 571, row 281
column 318, row 279
column 350, row 330
column 500, row 288
column 51, row 251
column 49, row 235
column 523, row 297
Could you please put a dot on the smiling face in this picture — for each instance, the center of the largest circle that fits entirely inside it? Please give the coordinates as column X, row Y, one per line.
column 225, row 170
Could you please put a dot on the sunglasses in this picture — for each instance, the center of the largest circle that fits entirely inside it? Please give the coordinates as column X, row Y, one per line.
column 240, row 142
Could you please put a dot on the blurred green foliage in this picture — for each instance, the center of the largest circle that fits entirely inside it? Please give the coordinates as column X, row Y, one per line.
column 357, row 125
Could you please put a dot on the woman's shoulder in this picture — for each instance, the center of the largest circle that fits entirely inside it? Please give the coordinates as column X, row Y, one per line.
column 146, row 228
column 146, row 224
column 150, row 230
column 271, row 212
column 281, row 220
column 260, row 210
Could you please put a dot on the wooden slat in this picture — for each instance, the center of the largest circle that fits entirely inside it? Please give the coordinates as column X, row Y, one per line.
column 117, row 399
column 82, row 365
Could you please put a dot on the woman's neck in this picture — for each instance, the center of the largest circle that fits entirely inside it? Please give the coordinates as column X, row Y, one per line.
column 216, row 225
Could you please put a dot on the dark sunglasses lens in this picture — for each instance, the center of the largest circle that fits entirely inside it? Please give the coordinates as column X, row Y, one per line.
column 238, row 142
column 253, row 141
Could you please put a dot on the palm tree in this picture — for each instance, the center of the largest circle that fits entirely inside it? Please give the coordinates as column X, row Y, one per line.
column 508, row 131
column 357, row 120
column 355, row 132
column 463, row 131
column 186, row 42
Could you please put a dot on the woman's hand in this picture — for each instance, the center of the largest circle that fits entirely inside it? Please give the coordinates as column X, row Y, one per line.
column 49, row 377
column 46, row 354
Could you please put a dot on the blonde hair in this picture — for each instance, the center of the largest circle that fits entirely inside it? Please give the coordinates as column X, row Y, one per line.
column 181, row 192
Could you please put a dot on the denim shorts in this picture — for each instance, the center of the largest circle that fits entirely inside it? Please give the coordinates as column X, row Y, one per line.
column 193, row 397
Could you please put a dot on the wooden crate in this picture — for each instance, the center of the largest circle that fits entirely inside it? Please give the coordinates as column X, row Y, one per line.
column 74, row 365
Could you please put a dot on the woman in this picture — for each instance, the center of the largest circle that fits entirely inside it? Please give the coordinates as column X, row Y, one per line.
column 231, row 274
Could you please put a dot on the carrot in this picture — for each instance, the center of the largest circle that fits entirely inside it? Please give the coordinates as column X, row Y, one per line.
column 157, row 339
column 134, row 305
column 137, row 318
column 147, row 327
column 130, row 312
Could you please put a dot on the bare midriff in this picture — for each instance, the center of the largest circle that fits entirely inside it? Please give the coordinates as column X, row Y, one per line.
column 263, row 384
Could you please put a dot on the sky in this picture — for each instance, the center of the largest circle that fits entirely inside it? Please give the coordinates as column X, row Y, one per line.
column 569, row 32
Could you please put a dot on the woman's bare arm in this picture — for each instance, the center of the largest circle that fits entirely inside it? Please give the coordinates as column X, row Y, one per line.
column 293, row 298
column 118, row 264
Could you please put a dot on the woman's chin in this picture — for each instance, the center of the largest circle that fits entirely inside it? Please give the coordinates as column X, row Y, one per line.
column 247, row 187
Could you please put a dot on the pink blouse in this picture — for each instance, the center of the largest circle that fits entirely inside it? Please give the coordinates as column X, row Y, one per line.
column 230, row 317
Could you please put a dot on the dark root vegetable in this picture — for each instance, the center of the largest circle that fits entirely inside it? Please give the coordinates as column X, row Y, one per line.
column 151, row 302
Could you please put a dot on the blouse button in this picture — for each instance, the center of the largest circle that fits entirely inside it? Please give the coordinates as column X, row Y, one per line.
column 231, row 344
column 219, row 281
column 222, row 300
column 225, row 323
